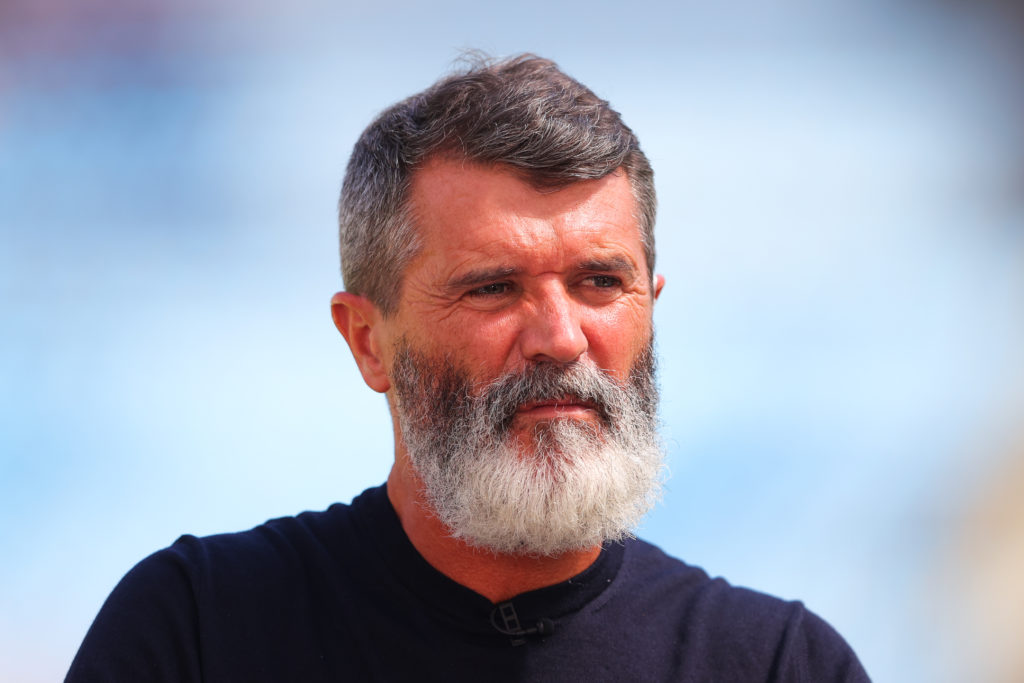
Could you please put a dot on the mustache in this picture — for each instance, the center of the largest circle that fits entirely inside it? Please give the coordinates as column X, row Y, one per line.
column 578, row 382
column 422, row 382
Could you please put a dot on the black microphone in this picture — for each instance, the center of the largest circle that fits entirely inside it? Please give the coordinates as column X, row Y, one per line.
column 510, row 625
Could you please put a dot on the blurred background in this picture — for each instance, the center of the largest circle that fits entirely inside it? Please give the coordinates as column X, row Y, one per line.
column 842, row 335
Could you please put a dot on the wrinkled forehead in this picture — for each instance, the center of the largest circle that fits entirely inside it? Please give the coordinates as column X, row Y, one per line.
column 452, row 201
column 458, row 206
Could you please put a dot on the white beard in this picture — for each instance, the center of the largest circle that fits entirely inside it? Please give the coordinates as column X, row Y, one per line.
column 568, row 485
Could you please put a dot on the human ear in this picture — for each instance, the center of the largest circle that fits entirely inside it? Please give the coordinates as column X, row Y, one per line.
column 359, row 322
column 659, row 282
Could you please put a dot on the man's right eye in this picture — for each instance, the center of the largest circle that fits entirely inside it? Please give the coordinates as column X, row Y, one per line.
column 493, row 289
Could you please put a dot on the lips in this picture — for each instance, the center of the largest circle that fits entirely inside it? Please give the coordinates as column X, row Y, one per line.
column 556, row 406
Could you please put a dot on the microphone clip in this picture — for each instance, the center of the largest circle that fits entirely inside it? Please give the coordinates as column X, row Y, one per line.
column 511, row 627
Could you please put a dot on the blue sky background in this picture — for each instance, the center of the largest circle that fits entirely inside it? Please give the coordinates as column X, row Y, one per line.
column 841, row 226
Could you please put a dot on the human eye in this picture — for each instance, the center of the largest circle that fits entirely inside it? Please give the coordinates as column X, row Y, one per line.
column 490, row 290
column 604, row 281
column 600, row 288
column 491, row 296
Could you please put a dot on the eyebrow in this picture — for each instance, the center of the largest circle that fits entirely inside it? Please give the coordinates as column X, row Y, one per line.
column 482, row 276
column 608, row 265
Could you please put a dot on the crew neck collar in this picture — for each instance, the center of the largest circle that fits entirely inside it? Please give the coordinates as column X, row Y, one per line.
column 381, row 529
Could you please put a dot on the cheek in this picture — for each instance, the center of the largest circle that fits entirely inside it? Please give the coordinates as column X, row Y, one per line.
column 617, row 337
column 483, row 342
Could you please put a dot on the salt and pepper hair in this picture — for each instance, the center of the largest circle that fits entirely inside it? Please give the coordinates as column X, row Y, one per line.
column 522, row 112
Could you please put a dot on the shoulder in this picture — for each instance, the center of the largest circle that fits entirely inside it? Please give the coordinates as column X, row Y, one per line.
column 275, row 545
column 190, row 608
column 717, row 622
column 703, row 605
column 290, row 554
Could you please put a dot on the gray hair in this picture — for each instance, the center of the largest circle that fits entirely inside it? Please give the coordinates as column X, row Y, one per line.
column 522, row 112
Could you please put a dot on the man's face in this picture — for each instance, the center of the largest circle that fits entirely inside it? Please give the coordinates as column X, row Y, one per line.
column 521, row 359
column 508, row 276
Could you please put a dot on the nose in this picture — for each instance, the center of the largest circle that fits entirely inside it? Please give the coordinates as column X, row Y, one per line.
column 552, row 330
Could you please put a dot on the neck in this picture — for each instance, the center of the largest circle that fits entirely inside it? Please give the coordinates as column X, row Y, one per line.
column 496, row 576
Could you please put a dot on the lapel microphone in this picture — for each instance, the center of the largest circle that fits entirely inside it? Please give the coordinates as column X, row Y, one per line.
column 511, row 627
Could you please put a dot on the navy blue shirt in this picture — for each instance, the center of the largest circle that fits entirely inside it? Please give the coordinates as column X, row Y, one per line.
column 342, row 595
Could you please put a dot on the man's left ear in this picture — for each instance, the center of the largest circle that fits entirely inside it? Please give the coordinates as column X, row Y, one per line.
column 358, row 320
column 659, row 282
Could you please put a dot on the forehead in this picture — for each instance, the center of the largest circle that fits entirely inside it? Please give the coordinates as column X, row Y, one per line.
column 465, row 211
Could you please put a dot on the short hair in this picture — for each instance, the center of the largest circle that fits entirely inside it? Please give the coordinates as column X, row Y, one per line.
column 522, row 112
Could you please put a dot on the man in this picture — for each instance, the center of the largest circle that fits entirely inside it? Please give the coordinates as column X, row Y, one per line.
column 498, row 253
